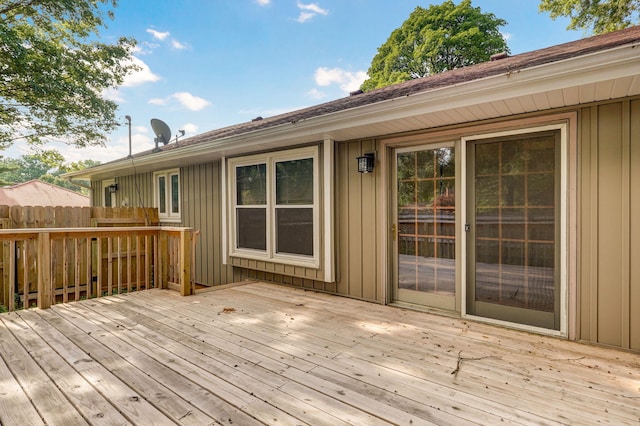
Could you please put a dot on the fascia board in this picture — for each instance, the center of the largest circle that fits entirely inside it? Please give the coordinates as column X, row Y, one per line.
column 615, row 63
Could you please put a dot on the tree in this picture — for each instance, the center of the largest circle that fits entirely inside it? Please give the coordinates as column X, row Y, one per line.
column 46, row 165
column 601, row 16
column 53, row 72
column 434, row 40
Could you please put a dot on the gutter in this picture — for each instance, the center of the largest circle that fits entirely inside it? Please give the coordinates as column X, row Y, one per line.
column 82, row 185
column 615, row 63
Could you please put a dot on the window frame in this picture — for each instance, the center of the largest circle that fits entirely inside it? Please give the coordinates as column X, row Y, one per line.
column 271, row 254
column 168, row 215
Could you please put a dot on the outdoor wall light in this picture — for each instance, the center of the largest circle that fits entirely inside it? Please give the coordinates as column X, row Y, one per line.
column 113, row 188
column 366, row 162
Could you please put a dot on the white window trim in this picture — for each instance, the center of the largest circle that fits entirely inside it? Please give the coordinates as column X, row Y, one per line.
column 168, row 216
column 270, row 253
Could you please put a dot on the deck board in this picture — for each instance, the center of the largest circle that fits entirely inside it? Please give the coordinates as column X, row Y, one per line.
column 266, row 354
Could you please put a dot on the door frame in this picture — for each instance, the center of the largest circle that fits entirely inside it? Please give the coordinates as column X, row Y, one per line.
column 440, row 302
column 564, row 231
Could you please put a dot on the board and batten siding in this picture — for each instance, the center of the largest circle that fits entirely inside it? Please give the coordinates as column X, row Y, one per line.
column 202, row 210
column 357, row 207
column 609, row 224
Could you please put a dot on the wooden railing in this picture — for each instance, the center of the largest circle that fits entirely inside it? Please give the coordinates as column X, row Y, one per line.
column 45, row 266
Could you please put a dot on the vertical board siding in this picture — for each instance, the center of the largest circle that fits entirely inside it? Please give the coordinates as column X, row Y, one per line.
column 609, row 234
column 610, row 182
column 634, row 234
column 202, row 210
column 356, row 216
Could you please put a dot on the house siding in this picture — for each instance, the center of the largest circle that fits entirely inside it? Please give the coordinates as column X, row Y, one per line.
column 356, row 221
column 607, row 280
column 609, row 235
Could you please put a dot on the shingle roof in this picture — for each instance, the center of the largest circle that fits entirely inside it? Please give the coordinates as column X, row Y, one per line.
column 38, row 193
column 445, row 79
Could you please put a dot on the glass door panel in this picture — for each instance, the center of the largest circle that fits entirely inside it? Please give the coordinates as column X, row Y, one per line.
column 515, row 229
column 425, row 213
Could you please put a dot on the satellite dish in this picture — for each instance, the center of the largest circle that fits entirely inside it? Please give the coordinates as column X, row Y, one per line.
column 162, row 132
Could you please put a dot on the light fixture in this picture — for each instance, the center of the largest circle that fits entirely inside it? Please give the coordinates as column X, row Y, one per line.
column 113, row 188
column 366, row 162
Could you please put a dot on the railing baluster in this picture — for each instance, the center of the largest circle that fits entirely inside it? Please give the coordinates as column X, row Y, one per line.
column 76, row 277
column 65, row 273
column 109, row 266
column 119, row 265
column 129, row 248
column 25, row 274
column 99, row 267
column 12, row 275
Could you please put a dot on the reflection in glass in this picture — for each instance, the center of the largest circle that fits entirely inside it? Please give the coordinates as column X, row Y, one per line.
column 515, row 193
column 294, row 182
column 426, row 220
column 251, row 185
column 175, row 194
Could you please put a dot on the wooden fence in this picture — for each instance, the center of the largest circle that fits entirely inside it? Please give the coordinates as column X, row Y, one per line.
column 90, row 252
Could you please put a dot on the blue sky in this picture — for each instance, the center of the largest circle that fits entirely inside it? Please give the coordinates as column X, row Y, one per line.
column 212, row 63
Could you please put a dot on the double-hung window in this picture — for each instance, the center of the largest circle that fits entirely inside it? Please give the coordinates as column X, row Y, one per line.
column 274, row 207
column 167, row 194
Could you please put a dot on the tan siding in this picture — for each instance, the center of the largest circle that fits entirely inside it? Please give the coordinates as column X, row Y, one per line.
column 610, row 226
column 609, row 205
column 634, row 290
column 356, row 238
column 202, row 210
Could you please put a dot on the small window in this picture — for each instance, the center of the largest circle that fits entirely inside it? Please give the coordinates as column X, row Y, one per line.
column 275, row 207
column 167, row 195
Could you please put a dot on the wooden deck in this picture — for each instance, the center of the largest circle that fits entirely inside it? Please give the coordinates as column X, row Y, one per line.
column 266, row 354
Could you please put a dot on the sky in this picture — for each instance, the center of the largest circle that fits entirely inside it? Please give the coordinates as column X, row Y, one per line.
column 207, row 64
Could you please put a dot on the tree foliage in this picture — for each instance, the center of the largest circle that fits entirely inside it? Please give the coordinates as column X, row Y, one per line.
column 439, row 38
column 600, row 16
column 45, row 165
column 53, row 72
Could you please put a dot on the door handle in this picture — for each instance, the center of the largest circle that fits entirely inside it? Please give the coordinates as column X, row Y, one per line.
column 393, row 231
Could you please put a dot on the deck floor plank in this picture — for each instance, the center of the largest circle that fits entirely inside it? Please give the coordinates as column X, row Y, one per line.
column 49, row 401
column 478, row 378
column 266, row 354
column 85, row 398
column 229, row 384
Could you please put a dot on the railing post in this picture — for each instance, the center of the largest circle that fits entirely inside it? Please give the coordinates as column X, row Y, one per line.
column 186, row 289
column 44, row 270
column 162, row 260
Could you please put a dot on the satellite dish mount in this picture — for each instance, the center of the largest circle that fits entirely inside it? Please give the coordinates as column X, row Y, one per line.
column 162, row 132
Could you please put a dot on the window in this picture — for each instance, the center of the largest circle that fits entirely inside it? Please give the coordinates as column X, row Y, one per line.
column 167, row 194
column 274, row 210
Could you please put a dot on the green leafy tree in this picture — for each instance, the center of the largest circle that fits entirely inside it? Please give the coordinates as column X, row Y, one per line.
column 54, row 72
column 46, row 165
column 434, row 40
column 600, row 16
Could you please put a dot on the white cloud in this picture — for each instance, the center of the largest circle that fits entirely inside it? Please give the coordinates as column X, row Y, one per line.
column 263, row 2
column 186, row 99
column 177, row 45
column 308, row 11
column 143, row 75
column 191, row 102
column 347, row 80
column 506, row 36
column 158, row 101
column 158, row 34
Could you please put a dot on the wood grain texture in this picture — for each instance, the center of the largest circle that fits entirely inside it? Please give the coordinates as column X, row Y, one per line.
column 266, row 354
